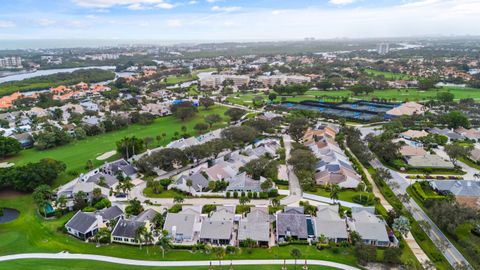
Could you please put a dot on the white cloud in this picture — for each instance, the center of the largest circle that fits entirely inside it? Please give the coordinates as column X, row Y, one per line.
column 341, row 2
column 165, row 5
column 226, row 9
column 213, row 1
column 45, row 22
column 6, row 24
column 130, row 4
column 174, row 23
column 193, row 2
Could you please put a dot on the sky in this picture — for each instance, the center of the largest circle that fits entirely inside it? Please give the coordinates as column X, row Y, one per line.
column 221, row 20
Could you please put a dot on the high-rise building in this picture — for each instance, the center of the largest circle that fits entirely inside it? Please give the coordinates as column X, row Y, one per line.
column 11, row 62
column 383, row 48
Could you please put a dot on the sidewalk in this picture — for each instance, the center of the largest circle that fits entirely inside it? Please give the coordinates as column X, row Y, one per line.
column 68, row 256
column 412, row 244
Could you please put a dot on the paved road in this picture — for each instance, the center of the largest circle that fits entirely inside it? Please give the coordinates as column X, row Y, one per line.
column 293, row 182
column 399, row 187
column 470, row 172
column 68, row 256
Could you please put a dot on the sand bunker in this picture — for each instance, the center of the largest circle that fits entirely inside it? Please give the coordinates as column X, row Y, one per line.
column 106, row 155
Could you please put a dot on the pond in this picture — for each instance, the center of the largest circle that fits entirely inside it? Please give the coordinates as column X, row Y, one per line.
column 9, row 214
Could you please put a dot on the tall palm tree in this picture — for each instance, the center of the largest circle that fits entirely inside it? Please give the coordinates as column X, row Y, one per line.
column 295, row 253
column 163, row 242
column 148, row 238
column 220, row 254
column 334, row 193
column 139, row 233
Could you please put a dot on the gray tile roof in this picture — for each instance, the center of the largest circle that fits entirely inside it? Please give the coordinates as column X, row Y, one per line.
column 465, row 188
column 148, row 214
column 126, row 228
column 81, row 221
column 212, row 229
column 109, row 179
column 179, row 223
column 292, row 223
column 255, row 226
column 198, row 181
column 111, row 212
column 242, row 182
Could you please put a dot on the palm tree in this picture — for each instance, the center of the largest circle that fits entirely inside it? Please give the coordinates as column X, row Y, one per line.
column 220, row 254
column 163, row 242
column 62, row 201
column 295, row 253
column 275, row 202
column 189, row 185
column 147, row 237
column 139, row 233
column 334, row 193
column 178, row 199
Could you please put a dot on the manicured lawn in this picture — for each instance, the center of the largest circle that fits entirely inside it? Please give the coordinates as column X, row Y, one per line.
column 344, row 195
column 180, row 79
column 469, row 163
column 171, row 193
column 389, row 75
column 396, row 95
column 30, row 233
column 50, row 264
column 77, row 153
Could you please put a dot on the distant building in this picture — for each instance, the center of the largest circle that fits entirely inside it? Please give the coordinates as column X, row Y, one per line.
column 383, row 48
column 11, row 62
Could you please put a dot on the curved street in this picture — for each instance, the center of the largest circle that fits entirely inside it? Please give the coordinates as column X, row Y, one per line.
column 108, row 259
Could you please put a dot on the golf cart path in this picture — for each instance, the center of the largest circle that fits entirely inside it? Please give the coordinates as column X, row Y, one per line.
column 68, row 256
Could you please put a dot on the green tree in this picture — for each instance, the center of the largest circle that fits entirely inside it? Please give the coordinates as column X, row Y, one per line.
column 41, row 195
column 9, row 146
column 445, row 97
column 334, row 191
column 272, row 96
column 402, row 225
column 211, row 119
column 129, row 146
column 207, row 102
column 134, row 207
column 296, row 254
column 297, row 128
column 200, row 127
column 455, row 151
column 183, row 110
column 235, row 114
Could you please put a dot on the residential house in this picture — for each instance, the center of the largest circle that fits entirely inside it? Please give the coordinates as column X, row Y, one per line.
column 407, row 108
column 408, row 151
column 198, row 183
column 475, row 154
column 429, row 161
column 371, row 229
column 452, row 136
column 125, row 231
column 185, row 226
column 413, row 134
column 218, row 228
column 466, row 192
column 25, row 139
column 84, row 225
column 243, row 183
column 471, row 134
column 255, row 226
column 329, row 224
column 293, row 223
column 120, row 166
